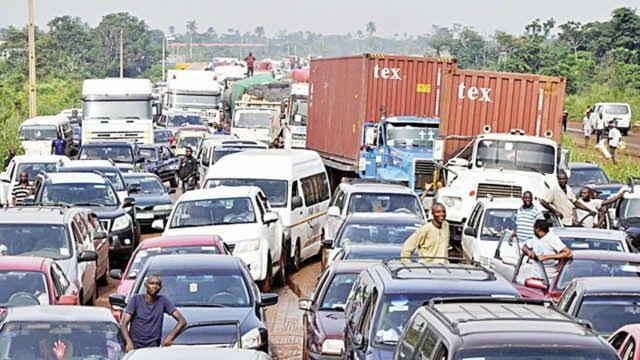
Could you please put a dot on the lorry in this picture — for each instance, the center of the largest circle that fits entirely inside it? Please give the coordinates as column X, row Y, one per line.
column 194, row 91
column 291, row 124
column 117, row 109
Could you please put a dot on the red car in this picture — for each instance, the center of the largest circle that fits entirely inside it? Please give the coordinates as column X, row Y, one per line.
column 163, row 245
column 625, row 340
column 26, row 280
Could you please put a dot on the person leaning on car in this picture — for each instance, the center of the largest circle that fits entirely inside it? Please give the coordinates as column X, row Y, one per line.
column 431, row 240
column 545, row 247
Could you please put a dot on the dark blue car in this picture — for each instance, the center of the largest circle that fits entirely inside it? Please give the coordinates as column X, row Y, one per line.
column 153, row 200
column 160, row 160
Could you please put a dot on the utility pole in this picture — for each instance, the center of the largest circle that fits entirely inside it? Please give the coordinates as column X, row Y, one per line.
column 33, row 110
column 121, row 53
column 164, row 41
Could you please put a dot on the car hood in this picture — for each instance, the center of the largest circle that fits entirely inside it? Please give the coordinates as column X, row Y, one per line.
column 144, row 200
column 224, row 335
column 39, row 147
column 106, row 212
column 332, row 322
column 228, row 233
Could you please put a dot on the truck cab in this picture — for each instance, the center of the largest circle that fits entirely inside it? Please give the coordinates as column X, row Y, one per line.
column 399, row 149
column 292, row 122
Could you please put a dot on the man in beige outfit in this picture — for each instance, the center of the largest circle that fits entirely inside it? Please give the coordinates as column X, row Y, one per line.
column 432, row 239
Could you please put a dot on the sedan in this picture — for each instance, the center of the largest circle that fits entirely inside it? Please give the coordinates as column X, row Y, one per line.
column 160, row 160
column 220, row 294
column 625, row 341
column 195, row 353
column 152, row 200
column 576, row 238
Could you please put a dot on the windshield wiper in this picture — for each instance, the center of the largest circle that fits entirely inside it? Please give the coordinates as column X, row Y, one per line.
column 197, row 304
column 88, row 204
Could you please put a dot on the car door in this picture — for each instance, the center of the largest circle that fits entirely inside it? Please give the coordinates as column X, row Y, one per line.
column 61, row 284
column 268, row 230
column 529, row 268
column 333, row 222
column 6, row 180
column 468, row 236
column 506, row 257
column 100, row 244
column 86, row 270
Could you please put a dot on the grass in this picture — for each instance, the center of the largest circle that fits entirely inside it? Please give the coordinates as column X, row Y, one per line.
column 627, row 165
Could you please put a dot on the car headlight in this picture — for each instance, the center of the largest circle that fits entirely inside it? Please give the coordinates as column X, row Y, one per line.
column 247, row 245
column 332, row 347
column 120, row 223
column 166, row 207
column 252, row 339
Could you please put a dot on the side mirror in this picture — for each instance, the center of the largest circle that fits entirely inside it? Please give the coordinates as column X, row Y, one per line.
column 334, row 211
column 115, row 274
column 469, row 231
column 118, row 300
column 270, row 217
column 171, row 191
column 158, row 225
column 268, row 299
column 458, row 162
column 305, row 304
column 128, row 202
column 67, row 300
column 141, row 159
column 100, row 235
column 87, row 256
column 327, row 243
column 133, row 188
column 534, row 283
column 296, row 202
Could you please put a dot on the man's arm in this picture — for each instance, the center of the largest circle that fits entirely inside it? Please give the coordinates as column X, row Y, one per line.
column 181, row 323
column 411, row 244
column 565, row 253
column 548, row 206
column 527, row 250
column 124, row 328
column 579, row 205
column 610, row 201
column 427, row 187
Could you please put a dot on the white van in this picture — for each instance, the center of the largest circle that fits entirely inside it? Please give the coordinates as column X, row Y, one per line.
column 618, row 112
column 210, row 152
column 36, row 134
column 296, row 185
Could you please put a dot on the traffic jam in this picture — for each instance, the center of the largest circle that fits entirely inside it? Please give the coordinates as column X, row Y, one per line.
column 433, row 210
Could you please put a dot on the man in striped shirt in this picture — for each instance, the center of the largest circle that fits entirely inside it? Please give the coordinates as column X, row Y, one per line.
column 22, row 189
column 525, row 218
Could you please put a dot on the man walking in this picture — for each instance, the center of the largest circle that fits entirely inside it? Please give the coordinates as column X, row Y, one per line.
column 12, row 153
column 431, row 240
column 142, row 319
column 59, row 146
column 188, row 171
column 525, row 218
column 560, row 200
column 21, row 189
column 586, row 128
column 250, row 60
column 614, row 137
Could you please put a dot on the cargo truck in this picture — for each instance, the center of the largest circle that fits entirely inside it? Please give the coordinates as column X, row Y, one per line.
column 194, row 91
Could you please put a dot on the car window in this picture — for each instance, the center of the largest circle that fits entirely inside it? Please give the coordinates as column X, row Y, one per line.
column 377, row 202
column 150, row 154
column 618, row 339
column 530, row 268
column 335, row 297
column 361, row 294
column 591, row 268
column 411, row 337
column 629, row 350
column 45, row 240
column 365, row 325
column 607, row 313
column 77, row 238
column 60, row 277
column 340, row 200
column 22, row 288
column 142, row 256
column 373, row 233
column 213, row 212
column 496, row 222
column 260, row 207
column 428, row 344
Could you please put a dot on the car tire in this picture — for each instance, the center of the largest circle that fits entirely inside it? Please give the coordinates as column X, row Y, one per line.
column 296, row 260
column 281, row 276
column 175, row 180
column 104, row 279
column 266, row 284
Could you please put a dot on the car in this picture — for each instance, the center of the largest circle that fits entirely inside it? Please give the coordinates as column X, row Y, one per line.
column 357, row 195
column 385, row 295
column 30, row 280
column 53, row 232
column 490, row 218
column 33, row 165
column 124, row 154
column 606, row 304
column 88, row 332
column 577, row 238
column 163, row 245
column 96, row 193
column 186, row 139
column 174, row 121
column 606, row 191
column 586, row 173
column 241, row 215
column 153, row 201
column 219, row 293
column 107, row 168
column 618, row 112
column 323, row 319
column 371, row 228
column 498, row 328
column 628, row 213
column 160, row 160
column 369, row 252
column 532, row 281
column 37, row 133
column 625, row 340
column 195, row 353
column 163, row 137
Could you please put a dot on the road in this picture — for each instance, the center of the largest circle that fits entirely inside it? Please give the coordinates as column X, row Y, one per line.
column 633, row 140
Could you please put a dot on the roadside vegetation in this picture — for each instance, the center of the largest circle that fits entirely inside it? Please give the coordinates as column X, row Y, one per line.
column 626, row 167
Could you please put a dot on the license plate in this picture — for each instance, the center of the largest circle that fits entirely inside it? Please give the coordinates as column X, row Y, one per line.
column 144, row 215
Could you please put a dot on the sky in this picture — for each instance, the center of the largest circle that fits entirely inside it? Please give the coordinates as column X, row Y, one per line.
column 325, row 16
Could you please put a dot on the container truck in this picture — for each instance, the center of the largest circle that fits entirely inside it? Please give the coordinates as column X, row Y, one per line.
column 291, row 124
column 194, row 91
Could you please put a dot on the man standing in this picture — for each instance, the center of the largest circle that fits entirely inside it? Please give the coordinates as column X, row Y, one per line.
column 526, row 216
column 59, row 146
column 21, row 189
column 142, row 319
column 561, row 201
column 565, row 117
column 250, row 60
column 220, row 130
column 188, row 170
column 432, row 239
column 585, row 219
column 599, row 128
column 614, row 140
column 546, row 247
column 12, row 153
column 586, row 128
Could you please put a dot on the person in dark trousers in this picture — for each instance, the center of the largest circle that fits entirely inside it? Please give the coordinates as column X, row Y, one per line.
column 12, row 153
column 250, row 60
column 188, row 171
column 59, row 146
column 565, row 117
column 142, row 319
column 21, row 189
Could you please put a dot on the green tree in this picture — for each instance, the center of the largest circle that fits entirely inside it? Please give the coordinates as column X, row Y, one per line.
column 71, row 48
column 259, row 31
column 573, row 35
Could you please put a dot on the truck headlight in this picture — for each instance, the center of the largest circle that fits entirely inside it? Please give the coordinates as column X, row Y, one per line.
column 166, row 207
column 450, row 201
column 252, row 339
column 120, row 223
column 332, row 347
column 247, row 245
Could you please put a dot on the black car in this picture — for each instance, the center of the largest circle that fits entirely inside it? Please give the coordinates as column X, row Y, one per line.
column 586, row 173
column 153, row 200
column 126, row 155
column 628, row 215
column 369, row 252
column 159, row 160
column 163, row 137
column 218, row 294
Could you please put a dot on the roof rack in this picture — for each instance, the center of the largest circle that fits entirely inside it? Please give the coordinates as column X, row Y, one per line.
column 486, row 299
column 413, row 263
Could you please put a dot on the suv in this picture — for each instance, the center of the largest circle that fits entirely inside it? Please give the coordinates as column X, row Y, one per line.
column 385, row 295
column 107, row 168
column 32, row 164
column 96, row 193
column 358, row 195
column 586, row 173
column 627, row 211
column 58, row 233
column 126, row 155
column 483, row 328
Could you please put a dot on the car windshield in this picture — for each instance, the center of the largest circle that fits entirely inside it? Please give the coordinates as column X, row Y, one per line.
column 79, row 194
column 150, row 154
column 534, row 353
column 592, row 268
column 496, row 222
column 394, row 315
column 375, row 233
column 202, row 288
column 115, row 153
column 33, row 169
column 376, row 202
column 584, row 243
column 274, row 190
column 142, row 256
column 372, row 253
column 411, row 134
column 37, row 132
column 115, row 179
column 512, row 155
column 117, row 109
column 43, row 240
column 162, row 136
column 580, row 177
column 607, row 313
column 225, row 211
column 219, row 153
column 195, row 100
column 299, row 111
column 83, row 340
column 181, row 120
column 148, row 184
column 191, row 141
column 616, row 109
column 253, row 119
column 336, row 295
column 23, row 288
column 630, row 208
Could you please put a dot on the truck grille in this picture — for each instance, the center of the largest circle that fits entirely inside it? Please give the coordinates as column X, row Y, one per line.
column 118, row 136
column 498, row 190
column 423, row 173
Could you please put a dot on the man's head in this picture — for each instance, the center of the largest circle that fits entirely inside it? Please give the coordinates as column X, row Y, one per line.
column 613, row 124
column 540, row 228
column 188, row 151
column 59, row 136
column 250, row 54
column 74, row 113
column 527, row 199
column 153, row 284
column 586, row 193
column 562, row 178
column 438, row 212
column 12, row 151
column 23, row 177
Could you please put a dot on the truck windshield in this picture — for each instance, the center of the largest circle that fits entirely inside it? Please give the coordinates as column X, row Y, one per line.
column 299, row 111
column 513, row 155
column 180, row 120
column 411, row 135
column 117, row 109
column 38, row 132
column 253, row 119
column 619, row 109
column 194, row 100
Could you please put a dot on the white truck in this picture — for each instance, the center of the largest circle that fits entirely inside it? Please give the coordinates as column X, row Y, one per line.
column 194, row 91
column 117, row 109
column 252, row 119
column 291, row 125
column 500, row 166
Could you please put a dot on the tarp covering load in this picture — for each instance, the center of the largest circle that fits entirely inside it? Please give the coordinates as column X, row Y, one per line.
column 274, row 92
column 239, row 87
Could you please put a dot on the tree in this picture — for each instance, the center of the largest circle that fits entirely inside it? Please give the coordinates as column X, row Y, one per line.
column 370, row 29
column 625, row 26
column 573, row 35
column 259, row 31
column 70, row 47
column 192, row 27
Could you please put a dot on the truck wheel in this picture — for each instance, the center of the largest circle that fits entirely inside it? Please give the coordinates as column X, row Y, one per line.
column 175, row 180
column 265, row 285
column 625, row 132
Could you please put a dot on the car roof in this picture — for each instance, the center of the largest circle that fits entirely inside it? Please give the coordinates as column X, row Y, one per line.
column 75, row 178
column 280, row 163
column 56, row 313
column 520, row 138
column 46, row 120
column 193, row 262
column 39, row 158
column 383, row 219
column 219, row 192
column 351, row 266
column 583, row 165
column 504, row 203
column 26, row 263
column 180, row 240
column 90, row 164
column 413, row 119
column 589, row 233
column 605, row 255
column 107, row 143
column 129, row 175
column 376, row 187
column 33, row 214
column 604, row 285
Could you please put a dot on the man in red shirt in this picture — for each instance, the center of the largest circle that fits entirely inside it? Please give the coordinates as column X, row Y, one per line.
column 250, row 60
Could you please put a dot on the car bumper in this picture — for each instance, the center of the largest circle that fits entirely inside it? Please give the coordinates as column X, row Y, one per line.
column 122, row 241
column 145, row 218
column 256, row 261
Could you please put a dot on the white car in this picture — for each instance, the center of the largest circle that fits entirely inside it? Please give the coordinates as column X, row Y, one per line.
column 579, row 238
column 33, row 165
column 242, row 217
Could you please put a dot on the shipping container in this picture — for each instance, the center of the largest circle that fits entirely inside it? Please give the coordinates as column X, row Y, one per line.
column 500, row 101
column 348, row 91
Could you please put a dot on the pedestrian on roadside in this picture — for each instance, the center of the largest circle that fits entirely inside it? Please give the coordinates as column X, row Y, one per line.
column 614, row 137
column 21, row 189
column 599, row 128
column 59, row 146
column 545, row 247
column 142, row 319
column 565, row 118
column 250, row 60
column 526, row 216
column 560, row 200
column 586, row 128
column 7, row 160
column 431, row 240
column 188, row 170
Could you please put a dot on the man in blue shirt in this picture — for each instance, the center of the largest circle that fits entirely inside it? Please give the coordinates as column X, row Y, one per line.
column 220, row 130
column 59, row 146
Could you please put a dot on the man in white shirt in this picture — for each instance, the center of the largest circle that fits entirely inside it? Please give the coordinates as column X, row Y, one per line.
column 586, row 128
column 614, row 140
column 560, row 200
column 599, row 127
column 547, row 248
column 586, row 198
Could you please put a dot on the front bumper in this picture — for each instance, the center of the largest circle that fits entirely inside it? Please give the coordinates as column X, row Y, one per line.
column 146, row 218
column 122, row 241
column 256, row 261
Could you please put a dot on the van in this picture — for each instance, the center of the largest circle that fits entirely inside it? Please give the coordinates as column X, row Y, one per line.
column 618, row 112
column 36, row 134
column 218, row 151
column 296, row 185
